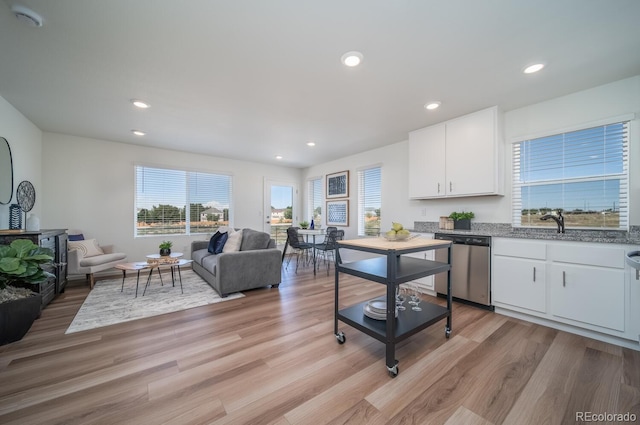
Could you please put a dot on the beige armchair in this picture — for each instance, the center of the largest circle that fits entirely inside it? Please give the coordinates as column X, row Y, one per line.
column 86, row 257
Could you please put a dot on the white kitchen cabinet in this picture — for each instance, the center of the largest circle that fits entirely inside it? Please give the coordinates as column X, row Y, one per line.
column 426, row 162
column 460, row 157
column 425, row 284
column 578, row 286
column 587, row 284
column 590, row 295
column 518, row 276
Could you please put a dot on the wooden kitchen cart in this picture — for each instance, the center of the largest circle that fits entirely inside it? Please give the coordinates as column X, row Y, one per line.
column 391, row 267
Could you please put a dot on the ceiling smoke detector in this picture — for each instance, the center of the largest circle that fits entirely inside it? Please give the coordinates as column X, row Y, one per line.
column 27, row 15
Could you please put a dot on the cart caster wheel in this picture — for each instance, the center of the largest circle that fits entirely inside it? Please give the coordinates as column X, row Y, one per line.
column 447, row 332
column 393, row 371
column 341, row 337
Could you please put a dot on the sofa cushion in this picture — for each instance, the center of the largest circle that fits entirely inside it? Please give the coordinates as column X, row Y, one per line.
column 233, row 242
column 209, row 263
column 97, row 260
column 198, row 255
column 87, row 247
column 213, row 241
column 220, row 243
column 253, row 239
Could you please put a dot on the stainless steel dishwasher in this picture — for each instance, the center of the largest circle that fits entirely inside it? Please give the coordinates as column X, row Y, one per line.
column 470, row 269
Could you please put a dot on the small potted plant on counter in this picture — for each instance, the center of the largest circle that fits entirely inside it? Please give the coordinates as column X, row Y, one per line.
column 20, row 267
column 304, row 224
column 461, row 220
column 165, row 248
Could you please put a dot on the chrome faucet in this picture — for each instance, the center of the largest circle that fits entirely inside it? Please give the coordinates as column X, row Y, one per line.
column 559, row 219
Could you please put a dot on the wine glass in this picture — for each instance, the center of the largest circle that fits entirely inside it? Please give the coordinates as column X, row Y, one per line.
column 400, row 297
column 415, row 299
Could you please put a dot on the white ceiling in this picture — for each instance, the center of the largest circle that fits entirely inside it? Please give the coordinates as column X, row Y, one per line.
column 250, row 79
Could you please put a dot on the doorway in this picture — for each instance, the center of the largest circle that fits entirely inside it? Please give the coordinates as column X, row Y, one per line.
column 280, row 209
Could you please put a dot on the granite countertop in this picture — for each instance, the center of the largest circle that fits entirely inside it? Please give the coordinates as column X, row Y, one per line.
column 505, row 230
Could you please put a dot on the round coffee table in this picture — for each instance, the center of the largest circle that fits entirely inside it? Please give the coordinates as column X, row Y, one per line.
column 158, row 256
column 137, row 267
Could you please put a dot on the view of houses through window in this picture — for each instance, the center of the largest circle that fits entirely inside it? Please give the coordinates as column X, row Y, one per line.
column 369, row 201
column 582, row 173
column 170, row 201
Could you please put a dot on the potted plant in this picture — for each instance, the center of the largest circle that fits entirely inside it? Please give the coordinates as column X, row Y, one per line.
column 461, row 220
column 20, row 266
column 165, row 248
column 304, row 224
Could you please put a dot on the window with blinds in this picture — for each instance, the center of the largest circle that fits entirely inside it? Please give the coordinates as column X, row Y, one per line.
column 314, row 202
column 170, row 202
column 582, row 173
column 369, row 201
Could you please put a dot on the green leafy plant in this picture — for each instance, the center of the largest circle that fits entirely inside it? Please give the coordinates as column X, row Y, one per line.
column 304, row 224
column 21, row 262
column 461, row 215
column 166, row 245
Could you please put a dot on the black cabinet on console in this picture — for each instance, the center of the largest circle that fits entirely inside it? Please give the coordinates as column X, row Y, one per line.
column 56, row 240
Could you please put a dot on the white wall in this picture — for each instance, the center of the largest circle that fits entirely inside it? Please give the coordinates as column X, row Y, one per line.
column 25, row 140
column 610, row 100
column 89, row 185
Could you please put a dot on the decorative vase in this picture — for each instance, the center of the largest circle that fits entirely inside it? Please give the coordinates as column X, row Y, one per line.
column 15, row 217
column 165, row 252
column 17, row 316
column 33, row 223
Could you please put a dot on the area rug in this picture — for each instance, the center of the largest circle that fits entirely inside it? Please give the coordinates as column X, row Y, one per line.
column 106, row 305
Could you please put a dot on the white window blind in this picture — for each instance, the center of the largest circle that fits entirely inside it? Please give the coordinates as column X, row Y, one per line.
column 170, row 201
column 582, row 173
column 314, row 202
column 369, row 201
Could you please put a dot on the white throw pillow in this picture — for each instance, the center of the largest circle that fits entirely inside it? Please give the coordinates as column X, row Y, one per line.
column 233, row 242
column 87, row 247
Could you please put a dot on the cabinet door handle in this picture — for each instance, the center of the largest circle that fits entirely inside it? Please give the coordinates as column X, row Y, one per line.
column 534, row 274
column 637, row 274
column 564, row 278
column 450, row 187
column 438, row 187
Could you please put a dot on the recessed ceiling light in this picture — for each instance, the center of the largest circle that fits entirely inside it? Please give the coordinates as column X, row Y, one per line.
column 352, row 59
column 432, row 105
column 138, row 132
column 311, row 143
column 26, row 15
column 533, row 68
column 278, row 156
column 140, row 103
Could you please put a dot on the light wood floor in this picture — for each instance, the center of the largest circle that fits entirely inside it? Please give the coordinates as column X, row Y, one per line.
column 272, row 358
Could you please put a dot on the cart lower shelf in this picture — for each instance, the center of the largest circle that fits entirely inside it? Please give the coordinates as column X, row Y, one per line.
column 408, row 322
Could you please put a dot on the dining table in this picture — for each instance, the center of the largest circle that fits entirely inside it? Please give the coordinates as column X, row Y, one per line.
column 313, row 233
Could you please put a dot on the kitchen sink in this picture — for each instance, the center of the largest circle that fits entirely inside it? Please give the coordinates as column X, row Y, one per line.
column 633, row 259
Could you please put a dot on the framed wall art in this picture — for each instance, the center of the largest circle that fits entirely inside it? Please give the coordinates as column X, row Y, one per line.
column 338, row 185
column 338, row 213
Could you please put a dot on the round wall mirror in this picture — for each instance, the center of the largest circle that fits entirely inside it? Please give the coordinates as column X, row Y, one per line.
column 6, row 172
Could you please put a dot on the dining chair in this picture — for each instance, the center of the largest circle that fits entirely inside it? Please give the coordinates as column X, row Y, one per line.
column 328, row 247
column 297, row 243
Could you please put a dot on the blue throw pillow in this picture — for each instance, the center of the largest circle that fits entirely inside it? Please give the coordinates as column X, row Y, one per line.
column 212, row 242
column 79, row 237
column 220, row 243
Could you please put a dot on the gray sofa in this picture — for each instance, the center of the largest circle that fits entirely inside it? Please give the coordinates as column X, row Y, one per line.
column 257, row 264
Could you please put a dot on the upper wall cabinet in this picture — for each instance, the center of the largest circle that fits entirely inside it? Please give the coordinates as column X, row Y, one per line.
column 460, row 157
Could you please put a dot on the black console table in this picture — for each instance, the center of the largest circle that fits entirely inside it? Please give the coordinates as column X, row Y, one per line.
column 54, row 239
